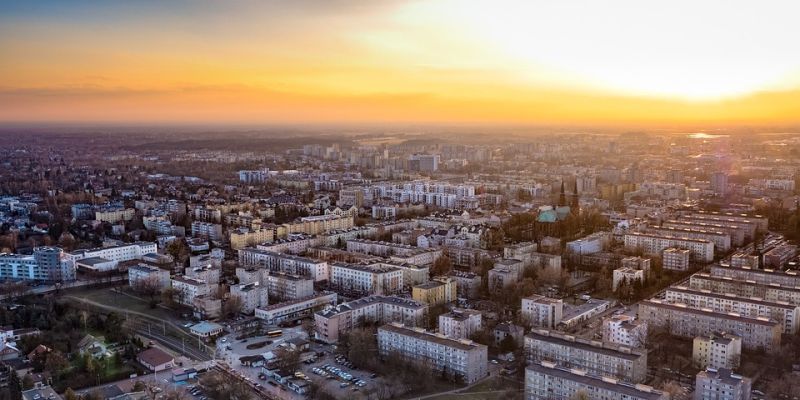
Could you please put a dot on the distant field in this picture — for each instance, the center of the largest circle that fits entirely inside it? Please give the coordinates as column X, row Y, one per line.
column 122, row 301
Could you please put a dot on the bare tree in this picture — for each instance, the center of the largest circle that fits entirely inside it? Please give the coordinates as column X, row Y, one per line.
column 149, row 287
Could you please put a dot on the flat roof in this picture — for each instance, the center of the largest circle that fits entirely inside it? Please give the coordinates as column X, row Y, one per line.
column 707, row 312
column 638, row 391
column 584, row 345
column 430, row 337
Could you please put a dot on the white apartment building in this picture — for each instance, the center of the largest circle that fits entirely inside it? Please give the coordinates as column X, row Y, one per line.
column 187, row 289
column 682, row 320
column 319, row 224
column 252, row 275
column 625, row 330
column 461, row 358
column 787, row 314
column 721, row 384
column 721, row 240
column 546, row 380
column 285, row 287
column 252, row 295
column 718, row 350
column 379, row 279
column 772, row 292
column 542, row 312
column 114, row 214
column 290, row 264
column 147, row 273
column 396, row 251
column 333, row 322
column 593, row 243
column 295, row 309
column 460, row 323
column 627, row 274
column 47, row 264
column 593, row 356
column 208, row 214
column 241, row 238
column 737, row 234
column 762, row 276
column 207, row 230
column 468, row 284
column 675, row 259
column 700, row 250
column 115, row 254
column 205, row 273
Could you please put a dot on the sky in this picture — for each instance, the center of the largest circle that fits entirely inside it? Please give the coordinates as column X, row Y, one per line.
column 389, row 61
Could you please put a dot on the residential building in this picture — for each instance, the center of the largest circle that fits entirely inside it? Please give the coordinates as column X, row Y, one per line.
column 746, row 288
column 252, row 296
column 721, row 384
column 107, row 258
column 787, row 314
column 593, row 243
column 460, row 323
column 721, row 240
column 46, row 264
column 332, row 322
column 278, row 262
column 295, row 309
column 574, row 315
column 595, row 357
column 682, row 320
column 207, row 273
column 207, row 230
column 625, row 330
column 285, row 287
column 145, row 274
column 700, row 250
column 113, row 214
column 366, row 279
column 468, row 284
column 440, row 290
column 187, row 289
column 542, row 312
column 241, row 238
column 627, row 275
column 458, row 358
column 546, row 380
column 41, row 393
column 717, row 350
column 675, row 259
column 762, row 276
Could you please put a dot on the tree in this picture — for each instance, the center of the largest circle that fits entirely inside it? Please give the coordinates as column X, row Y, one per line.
column 218, row 386
column 232, row 307
column 287, row 359
column 441, row 266
column 69, row 394
column 149, row 287
column 580, row 395
column 55, row 363
column 27, row 382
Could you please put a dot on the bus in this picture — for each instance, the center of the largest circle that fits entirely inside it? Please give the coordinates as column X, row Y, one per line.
column 275, row 333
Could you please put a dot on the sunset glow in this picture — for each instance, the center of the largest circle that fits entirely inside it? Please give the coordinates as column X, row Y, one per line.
column 443, row 61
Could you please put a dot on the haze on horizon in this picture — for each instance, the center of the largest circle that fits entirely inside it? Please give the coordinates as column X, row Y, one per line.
column 388, row 61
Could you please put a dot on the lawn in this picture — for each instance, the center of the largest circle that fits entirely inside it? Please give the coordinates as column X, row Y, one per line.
column 491, row 389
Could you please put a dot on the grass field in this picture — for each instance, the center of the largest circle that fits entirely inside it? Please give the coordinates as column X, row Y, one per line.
column 124, row 302
column 491, row 389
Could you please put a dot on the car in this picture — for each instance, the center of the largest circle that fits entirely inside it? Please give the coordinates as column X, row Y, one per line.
column 188, row 324
column 224, row 340
column 373, row 376
column 495, row 362
column 344, row 385
column 272, row 383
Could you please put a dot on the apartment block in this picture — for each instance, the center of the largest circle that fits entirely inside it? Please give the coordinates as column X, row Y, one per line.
column 625, row 330
column 332, row 322
column 440, row 290
column 542, row 312
column 675, row 259
column 745, row 288
column 285, row 287
column 788, row 315
column 206, row 273
column 108, row 257
column 736, row 233
column 763, row 276
column 366, row 279
column 468, row 284
column 140, row 273
column 718, row 350
column 460, row 358
column 241, row 238
column 187, row 289
column 460, row 323
column 721, row 240
column 280, row 262
column 700, row 250
column 721, row 384
column 207, row 230
column 252, row 295
column 295, row 309
column 682, row 320
column 46, row 264
column 546, row 381
column 596, row 357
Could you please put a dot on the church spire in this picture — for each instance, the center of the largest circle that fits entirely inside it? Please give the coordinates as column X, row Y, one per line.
column 562, row 198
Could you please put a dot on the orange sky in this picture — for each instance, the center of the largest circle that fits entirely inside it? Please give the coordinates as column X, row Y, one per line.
column 399, row 61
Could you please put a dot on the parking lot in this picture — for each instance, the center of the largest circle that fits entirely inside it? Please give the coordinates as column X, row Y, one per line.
column 338, row 377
